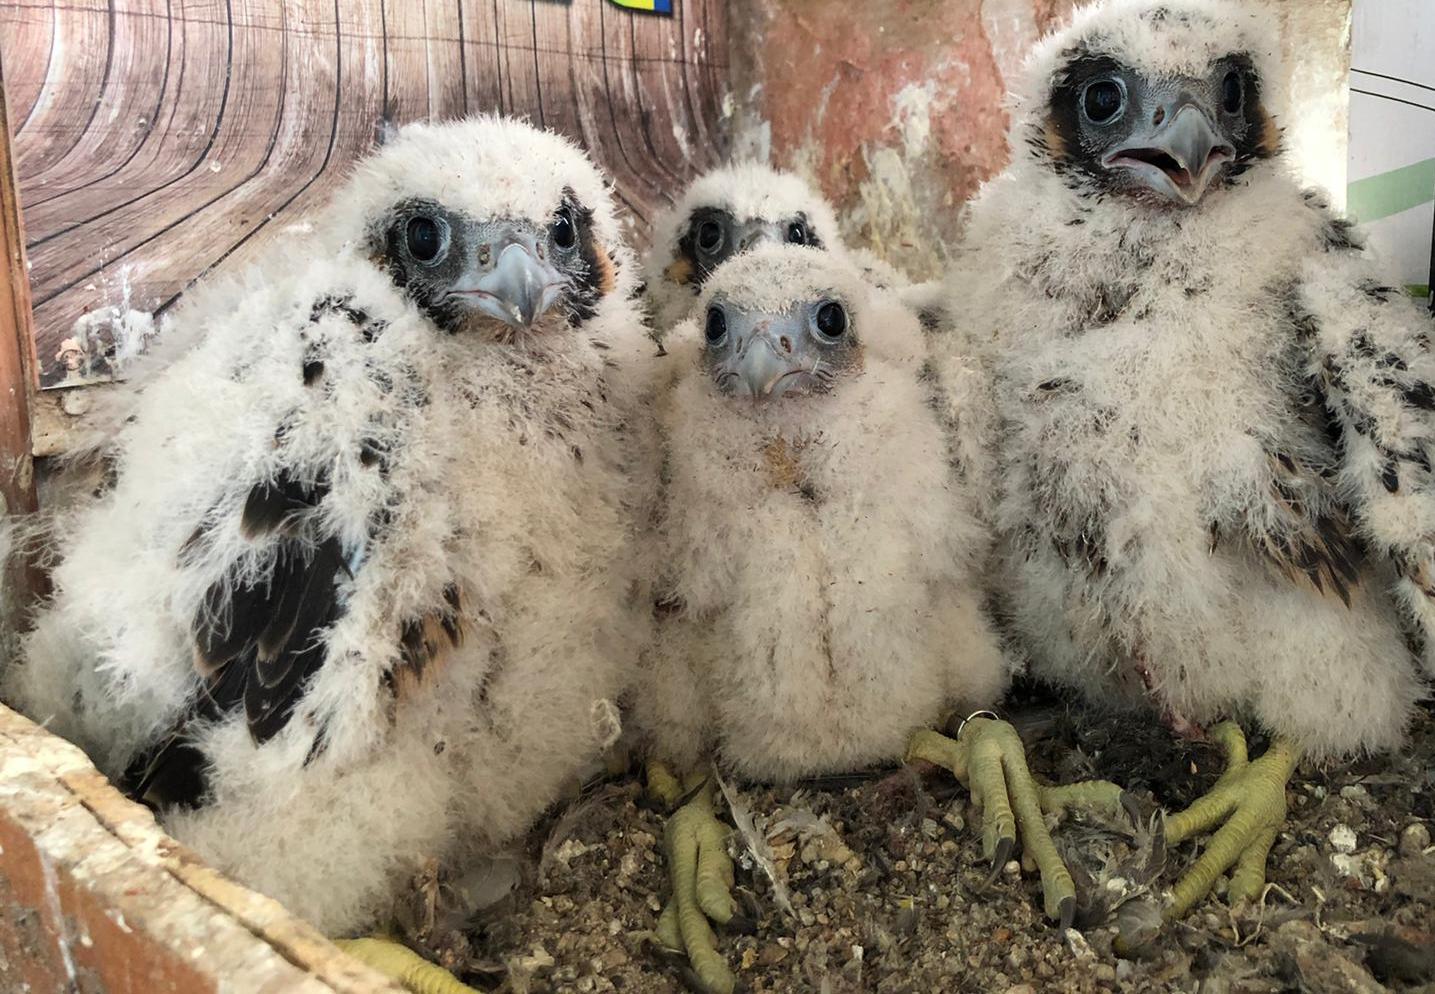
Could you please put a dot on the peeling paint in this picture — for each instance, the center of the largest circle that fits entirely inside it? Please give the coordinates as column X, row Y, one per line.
column 57, row 916
column 913, row 115
column 898, row 111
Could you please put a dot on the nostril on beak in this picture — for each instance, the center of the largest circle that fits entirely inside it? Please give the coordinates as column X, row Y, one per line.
column 539, row 249
column 485, row 253
column 1159, row 116
column 786, row 344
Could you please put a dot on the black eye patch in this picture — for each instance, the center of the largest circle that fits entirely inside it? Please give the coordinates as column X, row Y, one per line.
column 1259, row 137
column 422, row 245
column 1081, row 80
column 705, row 244
column 592, row 273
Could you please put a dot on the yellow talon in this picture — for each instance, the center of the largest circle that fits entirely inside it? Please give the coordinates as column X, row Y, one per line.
column 702, row 879
column 663, row 785
column 395, row 960
column 1249, row 803
column 990, row 760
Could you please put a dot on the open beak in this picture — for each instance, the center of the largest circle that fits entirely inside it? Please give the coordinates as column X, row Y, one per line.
column 1176, row 159
column 765, row 362
column 518, row 285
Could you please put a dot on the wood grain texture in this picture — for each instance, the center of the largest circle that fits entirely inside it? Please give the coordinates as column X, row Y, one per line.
column 95, row 897
column 17, row 478
column 157, row 140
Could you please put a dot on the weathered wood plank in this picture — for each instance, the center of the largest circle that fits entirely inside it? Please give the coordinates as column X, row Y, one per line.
column 17, row 482
column 141, row 34
column 25, row 40
column 166, row 138
column 69, row 99
column 195, row 96
column 483, row 57
column 94, row 896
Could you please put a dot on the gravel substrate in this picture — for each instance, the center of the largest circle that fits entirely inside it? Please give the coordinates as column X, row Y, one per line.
column 889, row 892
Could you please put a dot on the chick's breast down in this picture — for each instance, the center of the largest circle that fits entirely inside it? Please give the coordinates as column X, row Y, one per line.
column 821, row 558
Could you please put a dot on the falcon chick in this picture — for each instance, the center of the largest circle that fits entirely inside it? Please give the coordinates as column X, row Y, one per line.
column 1216, row 479
column 358, row 596
column 721, row 214
column 821, row 601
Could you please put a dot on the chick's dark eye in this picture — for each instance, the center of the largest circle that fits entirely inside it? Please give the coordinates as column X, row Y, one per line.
column 1233, row 92
column 717, row 325
column 563, row 230
column 831, row 320
column 797, row 233
column 1104, row 101
column 424, row 238
column 710, row 236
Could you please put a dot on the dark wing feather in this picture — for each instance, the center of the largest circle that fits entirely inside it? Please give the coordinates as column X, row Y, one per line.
column 1369, row 361
column 256, row 644
column 1316, row 544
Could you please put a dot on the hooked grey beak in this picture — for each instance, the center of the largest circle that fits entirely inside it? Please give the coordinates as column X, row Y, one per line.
column 1177, row 159
column 521, row 285
column 765, row 360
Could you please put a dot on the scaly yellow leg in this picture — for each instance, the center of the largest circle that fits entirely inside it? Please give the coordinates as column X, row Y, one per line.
column 702, row 877
column 1249, row 803
column 395, row 960
column 989, row 759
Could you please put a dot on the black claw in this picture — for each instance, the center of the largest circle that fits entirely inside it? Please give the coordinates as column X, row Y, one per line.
column 1066, row 911
column 1132, row 807
column 1003, row 853
column 751, row 905
column 668, row 955
column 740, row 924
column 649, row 803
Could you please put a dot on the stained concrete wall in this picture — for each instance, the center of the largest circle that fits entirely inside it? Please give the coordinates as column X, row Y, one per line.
column 895, row 109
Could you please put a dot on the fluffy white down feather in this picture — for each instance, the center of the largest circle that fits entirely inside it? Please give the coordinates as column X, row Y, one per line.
column 508, row 478
column 1150, row 364
column 812, row 634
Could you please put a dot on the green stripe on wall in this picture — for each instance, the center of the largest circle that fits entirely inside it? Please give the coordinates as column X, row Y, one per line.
column 1375, row 197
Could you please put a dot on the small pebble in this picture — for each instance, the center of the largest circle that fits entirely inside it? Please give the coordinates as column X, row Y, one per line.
column 1414, row 840
column 1342, row 839
column 1078, row 945
column 1012, row 868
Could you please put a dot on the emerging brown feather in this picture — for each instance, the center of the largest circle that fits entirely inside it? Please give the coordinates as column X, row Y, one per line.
column 1319, row 546
column 680, row 271
column 427, row 642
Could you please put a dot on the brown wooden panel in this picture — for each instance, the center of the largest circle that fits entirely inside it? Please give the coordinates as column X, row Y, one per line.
column 95, row 897
column 70, row 95
column 17, row 478
column 157, row 140
column 27, row 38
column 19, row 582
column 125, row 111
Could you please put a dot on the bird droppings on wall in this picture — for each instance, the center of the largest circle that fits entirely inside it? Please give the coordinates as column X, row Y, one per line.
column 896, row 112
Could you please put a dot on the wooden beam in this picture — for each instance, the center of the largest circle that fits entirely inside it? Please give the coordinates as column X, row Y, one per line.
column 17, row 476
column 95, row 897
